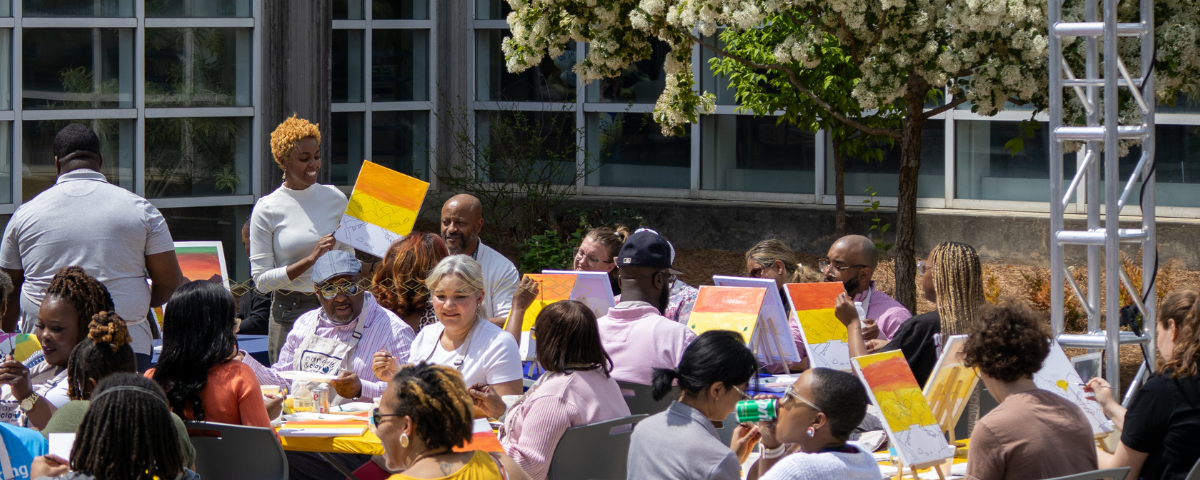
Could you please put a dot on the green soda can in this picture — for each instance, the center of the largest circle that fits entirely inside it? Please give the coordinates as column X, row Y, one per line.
column 756, row 410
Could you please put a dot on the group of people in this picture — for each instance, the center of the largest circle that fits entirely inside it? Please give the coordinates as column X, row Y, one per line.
column 430, row 334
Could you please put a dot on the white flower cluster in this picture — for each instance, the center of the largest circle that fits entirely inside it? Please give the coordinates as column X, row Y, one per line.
column 987, row 51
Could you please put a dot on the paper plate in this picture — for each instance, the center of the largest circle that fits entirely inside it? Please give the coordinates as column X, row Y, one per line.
column 307, row 377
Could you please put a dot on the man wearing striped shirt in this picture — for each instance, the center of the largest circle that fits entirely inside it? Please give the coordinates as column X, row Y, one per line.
column 347, row 311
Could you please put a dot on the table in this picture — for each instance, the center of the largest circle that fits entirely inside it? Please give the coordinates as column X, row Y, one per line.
column 365, row 444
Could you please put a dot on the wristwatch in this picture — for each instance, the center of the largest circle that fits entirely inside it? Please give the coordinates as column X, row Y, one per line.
column 28, row 403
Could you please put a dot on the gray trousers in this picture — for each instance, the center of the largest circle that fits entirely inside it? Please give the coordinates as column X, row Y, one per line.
column 286, row 307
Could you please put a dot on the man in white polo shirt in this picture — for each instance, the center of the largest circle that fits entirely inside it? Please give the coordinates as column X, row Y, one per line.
column 462, row 219
column 82, row 220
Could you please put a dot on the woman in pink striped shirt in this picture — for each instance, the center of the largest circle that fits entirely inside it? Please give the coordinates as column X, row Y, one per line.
column 575, row 390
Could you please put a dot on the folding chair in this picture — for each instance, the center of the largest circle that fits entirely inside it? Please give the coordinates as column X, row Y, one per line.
column 240, row 452
column 1113, row 473
column 725, row 428
column 595, row 452
column 639, row 400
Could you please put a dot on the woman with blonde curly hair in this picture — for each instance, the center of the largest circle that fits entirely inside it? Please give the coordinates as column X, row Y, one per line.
column 292, row 227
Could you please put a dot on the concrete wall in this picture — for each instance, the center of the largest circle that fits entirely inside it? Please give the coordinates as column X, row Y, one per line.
column 1005, row 237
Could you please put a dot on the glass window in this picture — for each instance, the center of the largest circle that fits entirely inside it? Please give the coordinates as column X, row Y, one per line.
column 709, row 81
column 400, row 60
column 5, row 67
column 526, row 147
column 630, row 150
column 492, row 9
column 1177, row 157
column 347, row 9
column 347, row 66
column 400, row 10
column 5, row 8
column 194, row 224
column 197, row 67
column 6, row 162
column 1183, row 104
column 640, row 82
column 197, row 9
column 37, row 161
column 77, row 68
column 77, row 8
column 550, row 81
column 756, row 154
column 986, row 171
column 399, row 141
column 346, row 149
column 883, row 175
column 197, row 157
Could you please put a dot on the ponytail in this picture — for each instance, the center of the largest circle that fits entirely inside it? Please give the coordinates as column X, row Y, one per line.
column 715, row 356
column 664, row 379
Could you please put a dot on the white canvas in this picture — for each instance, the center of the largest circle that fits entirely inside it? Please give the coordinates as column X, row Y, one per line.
column 1058, row 375
column 773, row 329
column 364, row 236
column 591, row 288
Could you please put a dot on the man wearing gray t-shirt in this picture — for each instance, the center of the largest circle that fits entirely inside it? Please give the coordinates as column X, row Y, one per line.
column 82, row 220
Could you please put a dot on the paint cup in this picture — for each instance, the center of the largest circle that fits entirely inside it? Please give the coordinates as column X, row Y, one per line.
column 756, row 410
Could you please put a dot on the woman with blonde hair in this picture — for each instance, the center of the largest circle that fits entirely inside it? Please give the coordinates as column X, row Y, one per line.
column 399, row 283
column 773, row 259
column 292, row 227
column 461, row 339
column 1160, row 431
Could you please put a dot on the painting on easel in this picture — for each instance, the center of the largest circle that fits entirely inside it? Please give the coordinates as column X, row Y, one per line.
column 950, row 385
column 825, row 337
column 739, row 309
column 772, row 318
column 907, row 418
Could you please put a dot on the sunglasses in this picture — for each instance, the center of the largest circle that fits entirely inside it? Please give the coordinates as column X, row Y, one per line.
column 377, row 417
column 329, row 292
column 790, row 392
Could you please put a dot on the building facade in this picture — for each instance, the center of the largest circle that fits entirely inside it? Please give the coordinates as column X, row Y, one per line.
column 177, row 90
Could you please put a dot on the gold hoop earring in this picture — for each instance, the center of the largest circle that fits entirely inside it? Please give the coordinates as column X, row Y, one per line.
column 404, row 440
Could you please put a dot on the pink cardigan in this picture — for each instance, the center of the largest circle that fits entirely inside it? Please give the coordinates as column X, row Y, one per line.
column 533, row 427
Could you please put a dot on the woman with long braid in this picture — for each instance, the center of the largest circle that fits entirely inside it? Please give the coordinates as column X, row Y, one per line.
column 36, row 388
column 127, row 434
column 953, row 279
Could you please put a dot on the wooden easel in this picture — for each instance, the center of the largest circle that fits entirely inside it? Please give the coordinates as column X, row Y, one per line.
column 767, row 328
column 946, row 408
column 913, row 468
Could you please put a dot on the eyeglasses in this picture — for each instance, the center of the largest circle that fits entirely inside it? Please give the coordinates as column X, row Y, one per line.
column 790, row 392
column 588, row 259
column 744, row 395
column 921, row 267
column 826, row 264
column 377, row 417
column 329, row 292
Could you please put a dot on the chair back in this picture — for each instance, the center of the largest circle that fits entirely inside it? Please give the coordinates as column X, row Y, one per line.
column 639, row 400
column 1113, row 473
column 725, row 428
column 1195, row 473
column 239, row 452
column 597, row 451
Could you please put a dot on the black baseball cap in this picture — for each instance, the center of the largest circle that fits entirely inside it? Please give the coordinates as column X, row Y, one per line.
column 646, row 248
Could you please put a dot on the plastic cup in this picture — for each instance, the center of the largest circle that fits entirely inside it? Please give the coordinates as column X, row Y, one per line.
column 272, row 390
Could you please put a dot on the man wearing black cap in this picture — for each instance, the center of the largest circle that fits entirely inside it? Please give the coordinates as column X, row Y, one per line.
column 634, row 333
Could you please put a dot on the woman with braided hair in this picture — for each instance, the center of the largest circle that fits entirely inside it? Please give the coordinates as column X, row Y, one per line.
column 423, row 415
column 105, row 351
column 127, row 434
column 36, row 388
column 952, row 278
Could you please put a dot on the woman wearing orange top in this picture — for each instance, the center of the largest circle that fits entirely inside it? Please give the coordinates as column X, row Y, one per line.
column 197, row 367
column 399, row 283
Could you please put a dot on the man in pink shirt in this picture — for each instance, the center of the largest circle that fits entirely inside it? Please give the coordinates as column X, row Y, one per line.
column 852, row 260
column 634, row 333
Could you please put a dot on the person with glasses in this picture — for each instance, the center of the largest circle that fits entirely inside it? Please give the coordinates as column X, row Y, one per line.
column 423, row 415
column 808, row 440
column 635, row 334
column 681, row 443
column 342, row 336
column 1033, row 433
column 852, row 260
column 198, row 367
column 598, row 251
column 773, row 259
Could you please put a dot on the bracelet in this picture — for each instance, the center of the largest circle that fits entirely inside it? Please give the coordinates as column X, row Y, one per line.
column 773, row 453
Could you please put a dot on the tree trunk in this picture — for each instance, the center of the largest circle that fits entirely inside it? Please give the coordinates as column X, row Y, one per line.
column 906, row 208
column 839, row 189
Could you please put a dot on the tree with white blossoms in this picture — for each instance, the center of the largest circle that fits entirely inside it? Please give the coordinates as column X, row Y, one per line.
column 987, row 52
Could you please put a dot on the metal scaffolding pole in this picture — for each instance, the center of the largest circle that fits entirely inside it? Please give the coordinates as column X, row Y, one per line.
column 1104, row 195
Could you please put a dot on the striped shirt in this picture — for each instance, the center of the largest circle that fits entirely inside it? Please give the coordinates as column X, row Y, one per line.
column 533, row 427
column 383, row 331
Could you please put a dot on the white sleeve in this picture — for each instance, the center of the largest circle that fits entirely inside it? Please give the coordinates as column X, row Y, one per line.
column 503, row 288
column 10, row 252
column 268, row 277
column 503, row 359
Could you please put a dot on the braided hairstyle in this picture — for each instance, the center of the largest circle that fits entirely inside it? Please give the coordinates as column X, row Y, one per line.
column 958, row 283
column 198, row 321
column 83, row 291
column 436, row 399
column 104, row 352
column 127, row 432
column 1183, row 307
column 772, row 250
column 399, row 282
